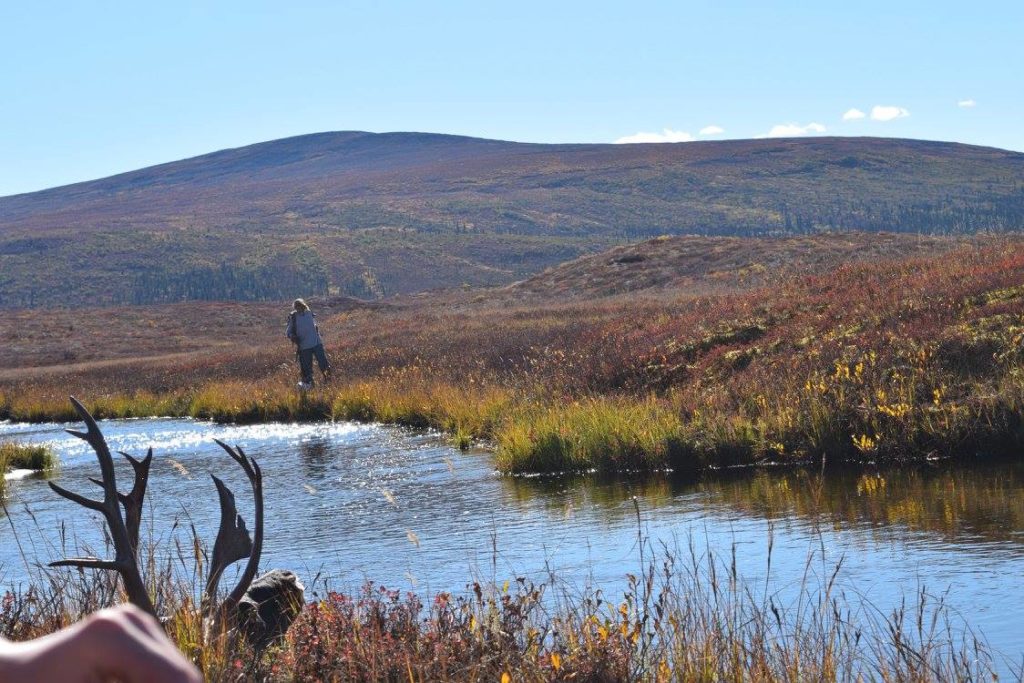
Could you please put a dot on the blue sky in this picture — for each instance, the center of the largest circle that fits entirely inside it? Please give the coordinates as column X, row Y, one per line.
column 92, row 89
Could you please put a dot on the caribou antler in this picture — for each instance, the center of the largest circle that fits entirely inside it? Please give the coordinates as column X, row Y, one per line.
column 233, row 542
column 125, row 543
column 276, row 598
column 132, row 501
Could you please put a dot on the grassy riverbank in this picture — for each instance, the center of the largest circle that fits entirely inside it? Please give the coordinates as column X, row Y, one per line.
column 678, row 619
column 15, row 456
column 901, row 359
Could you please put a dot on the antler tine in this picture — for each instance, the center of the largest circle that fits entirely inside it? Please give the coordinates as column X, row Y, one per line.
column 124, row 562
column 133, row 501
column 253, row 565
column 255, row 476
column 232, row 544
column 239, row 456
column 75, row 498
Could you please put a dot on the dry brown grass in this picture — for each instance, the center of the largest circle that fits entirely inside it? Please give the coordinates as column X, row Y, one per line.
column 679, row 618
column 902, row 358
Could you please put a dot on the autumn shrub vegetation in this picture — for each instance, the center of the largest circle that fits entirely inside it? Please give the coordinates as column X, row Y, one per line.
column 679, row 617
column 898, row 359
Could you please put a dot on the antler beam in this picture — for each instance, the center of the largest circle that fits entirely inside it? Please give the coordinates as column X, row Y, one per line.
column 125, row 543
column 233, row 542
column 132, row 501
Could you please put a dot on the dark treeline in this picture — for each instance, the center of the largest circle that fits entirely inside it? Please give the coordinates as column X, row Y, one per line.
column 948, row 217
column 58, row 272
column 995, row 214
column 227, row 282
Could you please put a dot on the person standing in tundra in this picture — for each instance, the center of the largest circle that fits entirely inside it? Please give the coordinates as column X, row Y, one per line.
column 305, row 334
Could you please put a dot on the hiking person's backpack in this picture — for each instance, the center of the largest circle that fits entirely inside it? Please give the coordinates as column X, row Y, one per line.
column 294, row 327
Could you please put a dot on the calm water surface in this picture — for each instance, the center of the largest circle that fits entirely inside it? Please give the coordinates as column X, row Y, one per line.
column 404, row 509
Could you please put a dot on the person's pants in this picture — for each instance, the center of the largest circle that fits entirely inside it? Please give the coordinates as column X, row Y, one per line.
column 306, row 362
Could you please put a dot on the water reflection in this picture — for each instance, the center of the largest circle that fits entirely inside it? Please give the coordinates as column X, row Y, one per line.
column 607, row 493
column 315, row 456
column 983, row 502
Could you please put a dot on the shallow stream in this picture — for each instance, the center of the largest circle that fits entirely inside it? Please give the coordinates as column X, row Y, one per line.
column 404, row 509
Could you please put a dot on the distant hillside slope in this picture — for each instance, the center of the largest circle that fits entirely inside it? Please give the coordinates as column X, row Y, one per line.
column 648, row 273
column 714, row 265
column 374, row 214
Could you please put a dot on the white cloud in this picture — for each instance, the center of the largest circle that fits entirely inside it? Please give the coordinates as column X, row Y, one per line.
column 880, row 113
column 853, row 115
column 966, row 103
column 667, row 135
column 792, row 130
column 712, row 130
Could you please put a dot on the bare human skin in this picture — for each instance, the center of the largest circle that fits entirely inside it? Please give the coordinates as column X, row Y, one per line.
column 119, row 644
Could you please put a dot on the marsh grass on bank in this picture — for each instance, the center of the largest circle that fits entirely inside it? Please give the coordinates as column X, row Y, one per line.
column 16, row 456
column 683, row 615
column 859, row 409
column 889, row 361
column 603, row 434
